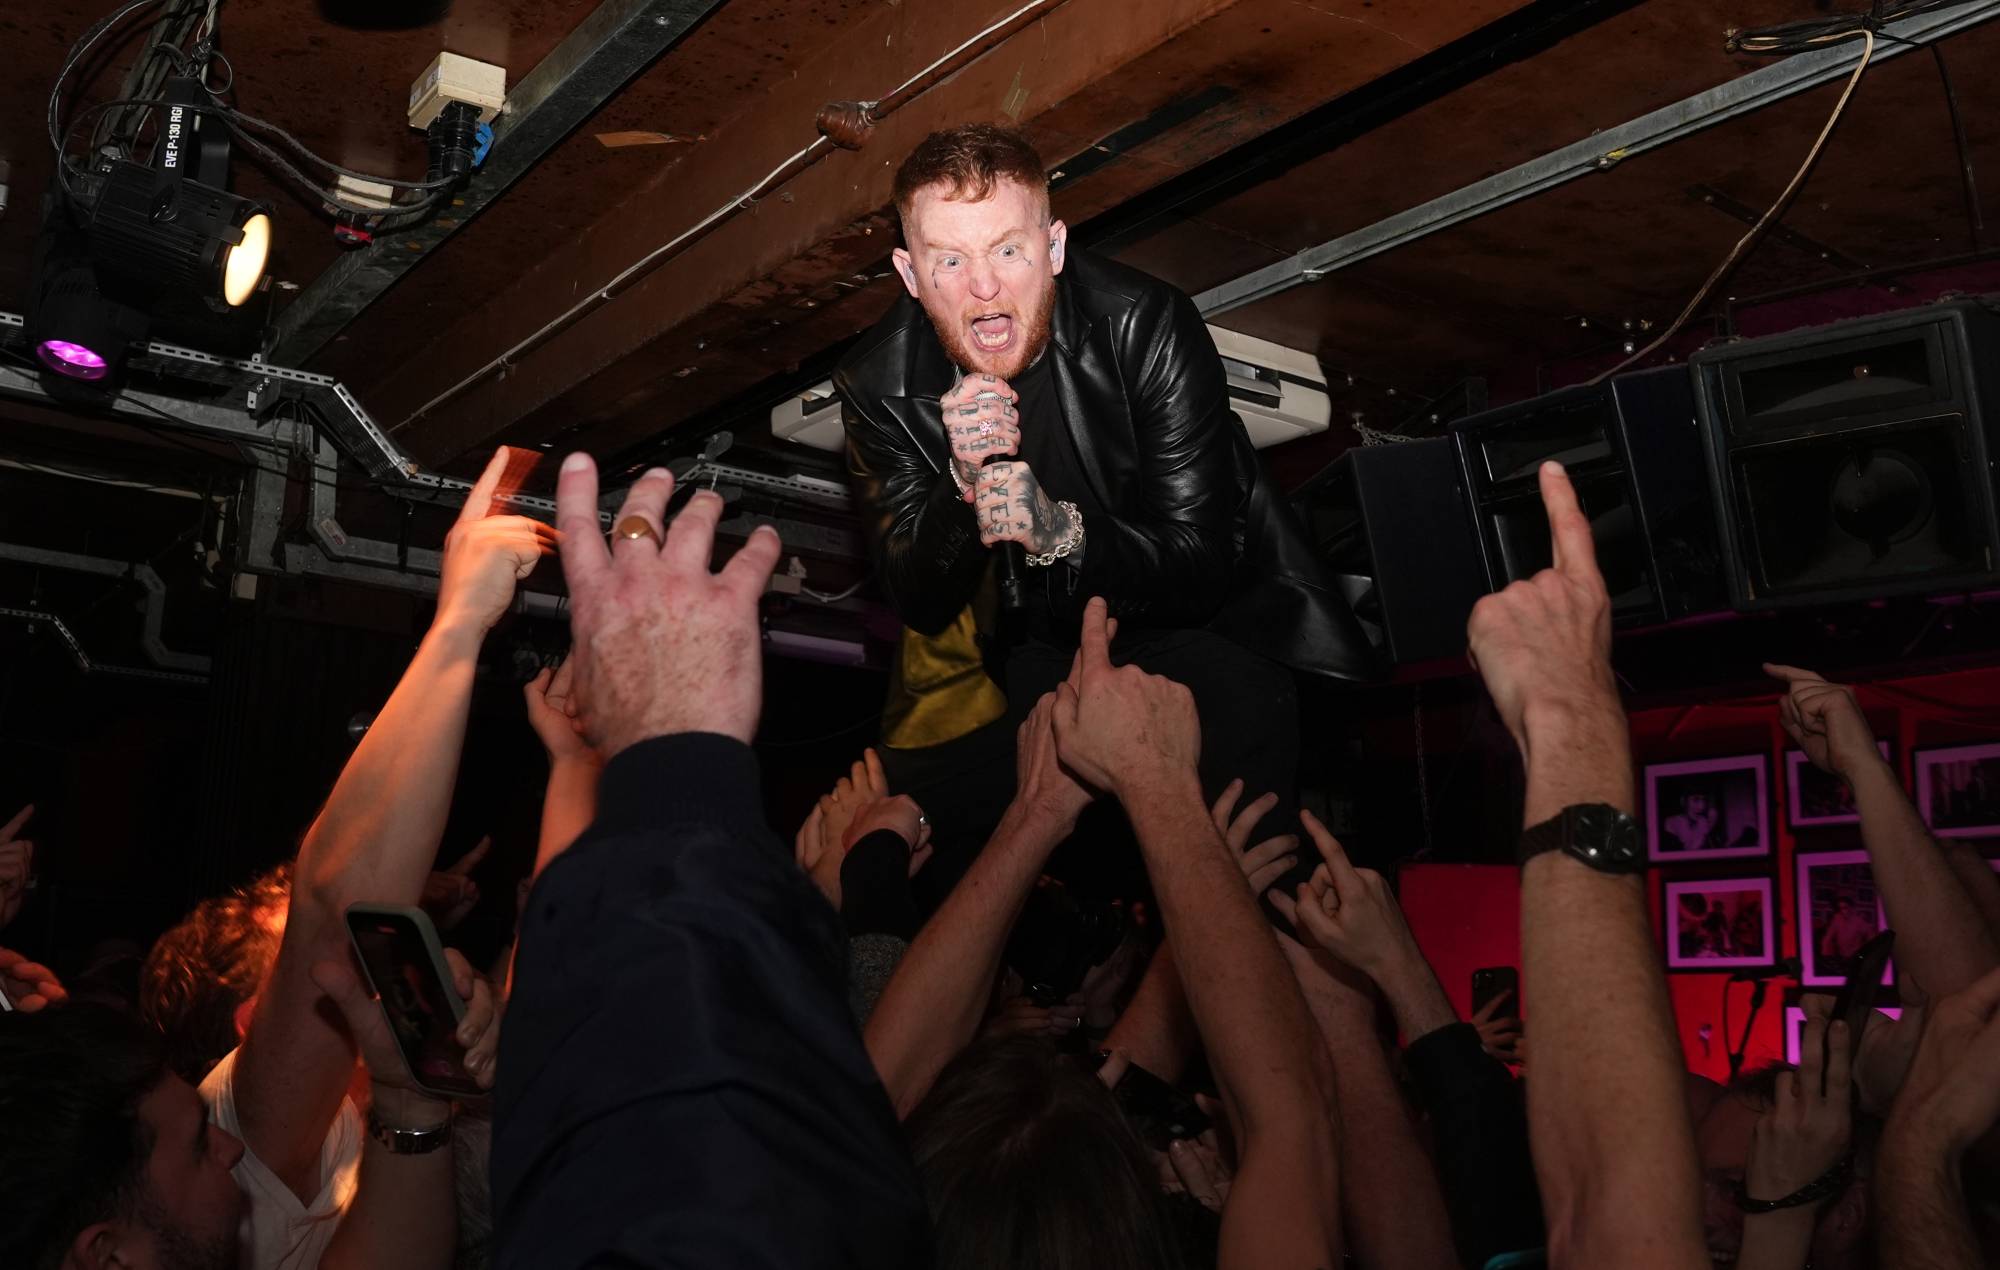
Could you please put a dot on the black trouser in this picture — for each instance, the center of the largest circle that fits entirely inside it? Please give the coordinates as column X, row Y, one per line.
column 1249, row 729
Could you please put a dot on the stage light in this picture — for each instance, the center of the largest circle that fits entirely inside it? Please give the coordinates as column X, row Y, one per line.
column 66, row 357
column 79, row 334
column 158, row 229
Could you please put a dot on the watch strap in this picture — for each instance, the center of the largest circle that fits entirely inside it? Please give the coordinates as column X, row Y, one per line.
column 402, row 1141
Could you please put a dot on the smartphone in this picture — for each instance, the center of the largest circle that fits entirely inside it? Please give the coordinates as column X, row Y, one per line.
column 405, row 966
column 6, row 1006
column 1492, row 981
column 1159, row 1112
column 1856, row 998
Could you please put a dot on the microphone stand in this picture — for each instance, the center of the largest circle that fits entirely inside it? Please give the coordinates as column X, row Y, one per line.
column 1757, row 990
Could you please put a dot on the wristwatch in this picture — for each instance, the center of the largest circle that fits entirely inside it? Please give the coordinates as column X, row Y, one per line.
column 409, row 1141
column 1598, row 834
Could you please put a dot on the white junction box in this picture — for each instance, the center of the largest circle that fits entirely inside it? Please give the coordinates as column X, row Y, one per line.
column 1280, row 393
column 812, row 418
column 454, row 78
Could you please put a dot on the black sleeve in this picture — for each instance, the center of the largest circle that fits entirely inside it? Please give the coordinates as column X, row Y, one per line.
column 1172, row 563
column 875, row 896
column 922, row 535
column 680, row 1081
column 1479, row 1127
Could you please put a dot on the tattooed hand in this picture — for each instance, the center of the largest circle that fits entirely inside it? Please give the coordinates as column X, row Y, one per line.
column 1012, row 506
column 980, row 428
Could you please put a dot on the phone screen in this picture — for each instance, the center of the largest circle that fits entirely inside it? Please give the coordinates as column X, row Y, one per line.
column 421, row 1006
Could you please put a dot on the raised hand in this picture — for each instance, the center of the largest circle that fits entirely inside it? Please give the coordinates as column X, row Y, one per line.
column 17, row 865
column 450, row 894
column 551, row 702
column 478, row 1032
column 485, row 555
column 661, row 644
column 29, row 985
column 1543, row 645
column 1952, row 1093
column 1119, row 728
column 1809, row 1125
column 980, row 426
column 1044, row 787
column 1825, row 721
column 1346, row 911
column 1270, row 859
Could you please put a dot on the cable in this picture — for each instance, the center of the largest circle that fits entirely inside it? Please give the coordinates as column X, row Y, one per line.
column 749, row 196
column 1756, row 231
column 1975, row 221
column 835, row 597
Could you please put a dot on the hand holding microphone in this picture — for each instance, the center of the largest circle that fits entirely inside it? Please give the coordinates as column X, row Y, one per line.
column 984, row 427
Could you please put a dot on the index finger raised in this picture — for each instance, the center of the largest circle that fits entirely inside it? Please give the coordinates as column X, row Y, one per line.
column 14, row 826
column 1094, row 652
column 1339, row 868
column 585, row 555
column 479, row 500
column 1573, row 550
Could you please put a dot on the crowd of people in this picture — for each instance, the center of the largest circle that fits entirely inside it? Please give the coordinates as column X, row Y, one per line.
column 892, row 1047
column 707, row 1050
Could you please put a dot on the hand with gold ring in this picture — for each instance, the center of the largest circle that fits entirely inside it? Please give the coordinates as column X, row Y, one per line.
column 633, row 528
column 660, row 643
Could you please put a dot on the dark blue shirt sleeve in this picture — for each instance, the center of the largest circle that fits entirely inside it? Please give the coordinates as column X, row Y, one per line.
column 681, row 1083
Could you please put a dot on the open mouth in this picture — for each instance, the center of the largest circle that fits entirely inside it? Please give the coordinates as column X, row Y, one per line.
column 993, row 332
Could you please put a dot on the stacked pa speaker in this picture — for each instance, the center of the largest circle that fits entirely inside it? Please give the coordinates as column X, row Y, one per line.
column 1633, row 449
column 1841, row 463
column 1854, row 461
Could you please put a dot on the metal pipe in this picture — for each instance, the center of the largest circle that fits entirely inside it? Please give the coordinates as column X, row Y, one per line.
column 1599, row 152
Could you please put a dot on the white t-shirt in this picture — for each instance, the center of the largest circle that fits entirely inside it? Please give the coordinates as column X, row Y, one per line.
column 279, row 1233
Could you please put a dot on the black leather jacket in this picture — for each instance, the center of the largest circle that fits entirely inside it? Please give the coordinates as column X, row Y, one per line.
column 1199, row 535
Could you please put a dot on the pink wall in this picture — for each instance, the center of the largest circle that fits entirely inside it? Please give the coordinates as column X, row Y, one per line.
column 1466, row 916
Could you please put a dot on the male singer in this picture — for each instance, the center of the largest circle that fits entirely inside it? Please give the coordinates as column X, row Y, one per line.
column 1025, row 394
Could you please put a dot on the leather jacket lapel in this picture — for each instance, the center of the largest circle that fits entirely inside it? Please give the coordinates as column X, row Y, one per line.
column 1092, row 395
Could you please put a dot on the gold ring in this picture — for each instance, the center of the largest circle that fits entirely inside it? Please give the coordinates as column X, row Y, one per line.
column 636, row 527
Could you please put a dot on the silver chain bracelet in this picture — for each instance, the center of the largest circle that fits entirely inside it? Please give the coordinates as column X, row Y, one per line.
column 1067, row 545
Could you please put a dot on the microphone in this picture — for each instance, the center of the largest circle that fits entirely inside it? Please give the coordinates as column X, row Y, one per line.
column 1786, row 968
column 1011, row 570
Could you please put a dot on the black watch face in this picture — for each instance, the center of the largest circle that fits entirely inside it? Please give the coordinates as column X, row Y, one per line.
column 1606, row 838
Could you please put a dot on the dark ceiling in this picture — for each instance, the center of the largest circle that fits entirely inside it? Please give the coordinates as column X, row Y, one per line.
column 1198, row 139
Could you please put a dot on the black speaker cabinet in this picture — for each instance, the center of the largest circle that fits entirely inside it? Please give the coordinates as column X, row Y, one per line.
column 1633, row 450
column 1852, row 461
column 1389, row 521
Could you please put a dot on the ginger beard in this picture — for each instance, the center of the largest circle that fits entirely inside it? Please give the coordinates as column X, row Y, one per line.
column 984, row 271
column 994, row 338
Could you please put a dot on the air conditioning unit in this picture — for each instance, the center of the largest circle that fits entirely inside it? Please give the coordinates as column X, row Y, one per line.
column 811, row 418
column 1278, row 392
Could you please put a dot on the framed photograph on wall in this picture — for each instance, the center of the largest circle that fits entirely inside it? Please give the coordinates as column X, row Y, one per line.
column 1708, row 809
column 1795, row 1028
column 1958, row 790
column 1818, row 798
column 1720, row 923
column 1839, row 910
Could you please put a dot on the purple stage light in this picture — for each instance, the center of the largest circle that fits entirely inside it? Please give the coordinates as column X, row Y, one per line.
column 74, row 360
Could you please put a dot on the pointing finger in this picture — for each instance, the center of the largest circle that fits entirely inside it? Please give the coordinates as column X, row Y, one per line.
column 479, row 500
column 585, row 557
column 1569, row 529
